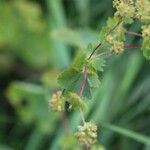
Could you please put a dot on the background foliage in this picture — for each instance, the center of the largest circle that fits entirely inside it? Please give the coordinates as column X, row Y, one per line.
column 40, row 38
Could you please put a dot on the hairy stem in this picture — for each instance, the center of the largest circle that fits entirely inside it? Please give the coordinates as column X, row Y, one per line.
column 133, row 33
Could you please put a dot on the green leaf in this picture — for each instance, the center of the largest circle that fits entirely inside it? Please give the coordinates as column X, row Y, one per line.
column 111, row 23
column 71, row 80
column 114, row 29
column 79, row 60
column 93, row 80
column 31, row 105
column 98, row 64
column 131, row 134
column 68, row 78
column 146, row 47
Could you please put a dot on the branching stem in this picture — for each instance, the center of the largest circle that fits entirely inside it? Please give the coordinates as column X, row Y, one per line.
column 109, row 52
column 99, row 55
column 95, row 49
column 85, row 68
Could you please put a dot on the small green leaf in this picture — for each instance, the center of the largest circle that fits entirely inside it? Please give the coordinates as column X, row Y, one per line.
column 93, row 80
column 79, row 60
column 111, row 22
column 68, row 78
column 89, row 47
column 71, row 80
column 98, row 64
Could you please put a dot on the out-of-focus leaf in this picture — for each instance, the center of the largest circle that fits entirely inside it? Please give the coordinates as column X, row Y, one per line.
column 77, row 38
column 31, row 104
column 24, row 32
column 5, row 147
column 129, row 133
column 146, row 47
column 49, row 78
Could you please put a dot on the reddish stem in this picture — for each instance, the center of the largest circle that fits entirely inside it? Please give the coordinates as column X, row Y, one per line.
column 132, row 46
column 82, row 88
column 84, row 80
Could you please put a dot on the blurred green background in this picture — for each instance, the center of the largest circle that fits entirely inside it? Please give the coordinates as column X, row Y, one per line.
column 39, row 39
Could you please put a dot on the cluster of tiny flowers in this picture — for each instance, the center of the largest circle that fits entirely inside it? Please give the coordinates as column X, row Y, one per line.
column 146, row 31
column 56, row 103
column 125, row 8
column 116, row 46
column 87, row 134
column 143, row 10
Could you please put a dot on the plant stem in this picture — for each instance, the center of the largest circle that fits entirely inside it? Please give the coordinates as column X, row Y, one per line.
column 133, row 33
column 82, row 88
column 84, row 80
column 119, row 22
column 93, row 52
column 109, row 52
column 95, row 49
column 132, row 46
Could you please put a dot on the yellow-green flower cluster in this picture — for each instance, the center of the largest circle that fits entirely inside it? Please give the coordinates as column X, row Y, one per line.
column 125, row 8
column 143, row 10
column 116, row 46
column 146, row 31
column 57, row 102
column 87, row 134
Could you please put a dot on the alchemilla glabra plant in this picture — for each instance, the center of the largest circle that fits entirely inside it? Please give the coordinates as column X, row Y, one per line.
column 83, row 75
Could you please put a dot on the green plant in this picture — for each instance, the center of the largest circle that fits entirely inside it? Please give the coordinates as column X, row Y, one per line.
column 79, row 80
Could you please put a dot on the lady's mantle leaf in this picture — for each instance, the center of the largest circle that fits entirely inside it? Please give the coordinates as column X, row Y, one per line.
column 71, row 80
column 93, row 80
column 98, row 64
